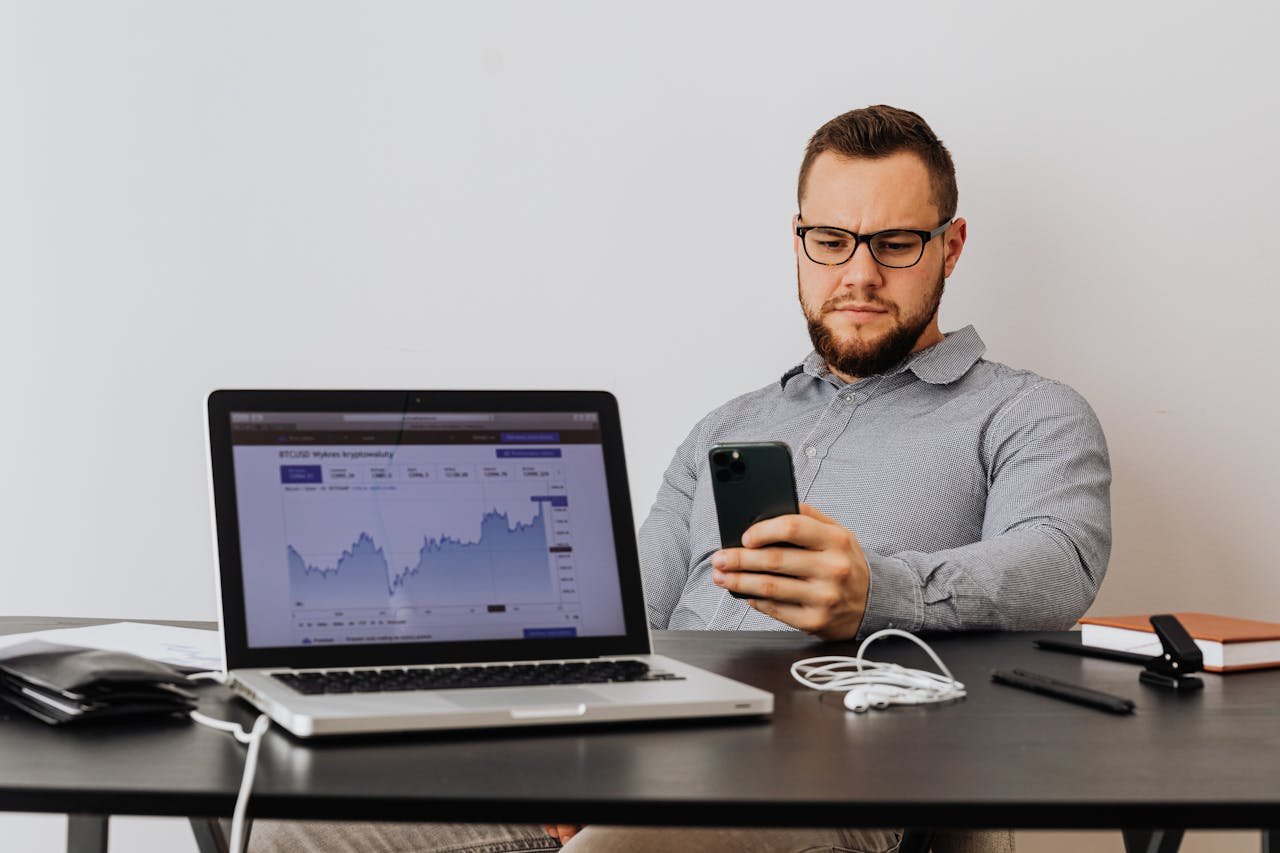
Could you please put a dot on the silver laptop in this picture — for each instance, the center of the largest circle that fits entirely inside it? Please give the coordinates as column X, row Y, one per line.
column 398, row 560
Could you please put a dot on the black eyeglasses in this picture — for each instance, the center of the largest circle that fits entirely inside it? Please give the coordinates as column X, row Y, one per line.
column 896, row 248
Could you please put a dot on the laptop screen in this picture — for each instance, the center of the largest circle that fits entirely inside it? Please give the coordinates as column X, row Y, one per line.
column 390, row 527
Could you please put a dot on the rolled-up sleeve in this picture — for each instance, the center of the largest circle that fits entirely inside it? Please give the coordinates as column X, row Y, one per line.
column 1046, row 536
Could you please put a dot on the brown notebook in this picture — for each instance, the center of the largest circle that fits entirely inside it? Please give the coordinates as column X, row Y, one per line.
column 1226, row 642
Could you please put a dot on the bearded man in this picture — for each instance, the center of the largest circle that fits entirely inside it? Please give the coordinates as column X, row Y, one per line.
column 940, row 491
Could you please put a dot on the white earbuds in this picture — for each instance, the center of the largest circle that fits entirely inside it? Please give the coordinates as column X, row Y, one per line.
column 879, row 685
column 862, row 699
column 881, row 696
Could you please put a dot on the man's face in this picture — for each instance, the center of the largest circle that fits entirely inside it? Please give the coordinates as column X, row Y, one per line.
column 863, row 317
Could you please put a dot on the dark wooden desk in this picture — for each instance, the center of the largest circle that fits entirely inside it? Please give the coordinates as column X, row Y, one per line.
column 1001, row 758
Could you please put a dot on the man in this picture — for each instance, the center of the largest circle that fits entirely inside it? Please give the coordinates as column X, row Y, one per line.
column 943, row 491
column 939, row 491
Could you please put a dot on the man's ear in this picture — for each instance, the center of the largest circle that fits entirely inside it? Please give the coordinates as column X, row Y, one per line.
column 955, row 237
column 795, row 241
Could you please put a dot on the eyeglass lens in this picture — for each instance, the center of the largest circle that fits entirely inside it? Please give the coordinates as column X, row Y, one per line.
column 890, row 248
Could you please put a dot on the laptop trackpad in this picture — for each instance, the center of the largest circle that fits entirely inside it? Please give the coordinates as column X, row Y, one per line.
column 522, row 697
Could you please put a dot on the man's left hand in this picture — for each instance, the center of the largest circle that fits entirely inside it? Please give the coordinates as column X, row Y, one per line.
column 562, row 832
column 820, row 586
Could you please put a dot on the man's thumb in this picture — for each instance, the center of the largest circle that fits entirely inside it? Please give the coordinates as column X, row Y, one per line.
column 814, row 512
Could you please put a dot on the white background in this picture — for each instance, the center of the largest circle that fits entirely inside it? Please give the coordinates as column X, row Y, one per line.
column 569, row 195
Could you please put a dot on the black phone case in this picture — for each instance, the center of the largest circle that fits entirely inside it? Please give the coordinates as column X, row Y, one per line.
column 756, row 484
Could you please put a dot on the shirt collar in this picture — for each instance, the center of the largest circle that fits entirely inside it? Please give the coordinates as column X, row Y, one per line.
column 940, row 364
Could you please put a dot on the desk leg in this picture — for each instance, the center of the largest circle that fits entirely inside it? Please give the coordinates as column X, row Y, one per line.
column 915, row 841
column 87, row 833
column 210, row 837
column 1271, row 841
column 1152, row 840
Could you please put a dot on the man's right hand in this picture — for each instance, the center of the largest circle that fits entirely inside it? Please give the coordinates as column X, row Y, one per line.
column 820, row 587
column 562, row 832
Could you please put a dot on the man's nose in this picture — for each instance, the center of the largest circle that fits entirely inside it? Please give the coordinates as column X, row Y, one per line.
column 861, row 270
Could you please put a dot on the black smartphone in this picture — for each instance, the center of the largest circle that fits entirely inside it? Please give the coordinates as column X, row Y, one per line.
column 750, row 481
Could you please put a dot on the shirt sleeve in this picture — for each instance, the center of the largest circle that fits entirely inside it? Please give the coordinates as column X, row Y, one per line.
column 664, row 536
column 1046, row 535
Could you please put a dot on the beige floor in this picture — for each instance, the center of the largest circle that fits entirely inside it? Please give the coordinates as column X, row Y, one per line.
column 1110, row 842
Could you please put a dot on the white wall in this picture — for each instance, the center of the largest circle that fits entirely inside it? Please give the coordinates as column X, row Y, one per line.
column 507, row 195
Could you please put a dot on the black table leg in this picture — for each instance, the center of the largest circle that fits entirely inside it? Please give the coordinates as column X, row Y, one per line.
column 915, row 841
column 87, row 833
column 1152, row 840
column 210, row 836
column 1271, row 841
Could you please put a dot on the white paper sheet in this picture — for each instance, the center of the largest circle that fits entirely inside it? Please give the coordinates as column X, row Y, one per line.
column 188, row 648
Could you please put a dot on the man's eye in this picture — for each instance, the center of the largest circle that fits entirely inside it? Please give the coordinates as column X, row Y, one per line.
column 833, row 244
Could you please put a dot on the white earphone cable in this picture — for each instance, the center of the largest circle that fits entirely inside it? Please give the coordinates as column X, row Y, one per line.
column 879, row 685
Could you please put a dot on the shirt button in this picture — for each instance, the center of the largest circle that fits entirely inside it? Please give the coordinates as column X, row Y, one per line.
column 848, row 398
column 810, row 450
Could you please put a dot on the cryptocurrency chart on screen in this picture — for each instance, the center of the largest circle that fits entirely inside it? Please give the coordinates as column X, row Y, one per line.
column 423, row 542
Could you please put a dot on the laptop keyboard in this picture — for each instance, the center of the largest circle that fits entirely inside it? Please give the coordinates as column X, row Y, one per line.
column 458, row 677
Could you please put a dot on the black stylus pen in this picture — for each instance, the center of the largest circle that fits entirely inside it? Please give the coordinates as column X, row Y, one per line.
column 1064, row 690
column 1075, row 647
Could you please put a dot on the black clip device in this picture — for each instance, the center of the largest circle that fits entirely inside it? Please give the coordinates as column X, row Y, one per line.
column 1172, row 668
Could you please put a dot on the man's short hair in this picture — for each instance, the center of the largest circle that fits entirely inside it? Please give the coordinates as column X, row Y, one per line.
column 879, row 131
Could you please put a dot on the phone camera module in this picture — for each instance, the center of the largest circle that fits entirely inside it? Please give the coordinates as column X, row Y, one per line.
column 729, row 466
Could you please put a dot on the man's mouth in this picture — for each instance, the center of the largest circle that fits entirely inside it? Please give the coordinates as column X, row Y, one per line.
column 859, row 310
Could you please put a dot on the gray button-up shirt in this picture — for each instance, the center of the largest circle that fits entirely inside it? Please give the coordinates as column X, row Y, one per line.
column 980, row 494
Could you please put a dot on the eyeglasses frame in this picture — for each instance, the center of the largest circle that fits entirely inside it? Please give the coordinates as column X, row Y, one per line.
column 859, row 239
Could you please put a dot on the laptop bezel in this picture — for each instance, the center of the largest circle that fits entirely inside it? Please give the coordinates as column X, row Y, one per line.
column 239, row 654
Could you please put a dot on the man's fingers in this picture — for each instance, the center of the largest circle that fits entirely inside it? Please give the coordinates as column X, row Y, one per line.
column 788, row 561
column 814, row 512
column 762, row 585
column 561, row 832
column 803, row 530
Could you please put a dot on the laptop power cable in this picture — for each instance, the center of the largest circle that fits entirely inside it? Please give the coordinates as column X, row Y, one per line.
column 253, row 738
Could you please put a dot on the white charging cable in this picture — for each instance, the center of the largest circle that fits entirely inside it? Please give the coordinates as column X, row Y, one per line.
column 879, row 685
column 253, row 738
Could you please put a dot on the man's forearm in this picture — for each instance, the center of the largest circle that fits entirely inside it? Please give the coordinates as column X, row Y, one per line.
column 1028, row 579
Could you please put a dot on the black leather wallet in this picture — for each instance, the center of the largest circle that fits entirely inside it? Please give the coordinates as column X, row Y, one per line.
column 65, row 684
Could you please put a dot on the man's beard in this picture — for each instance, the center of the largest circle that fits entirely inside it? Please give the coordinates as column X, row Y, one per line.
column 859, row 358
